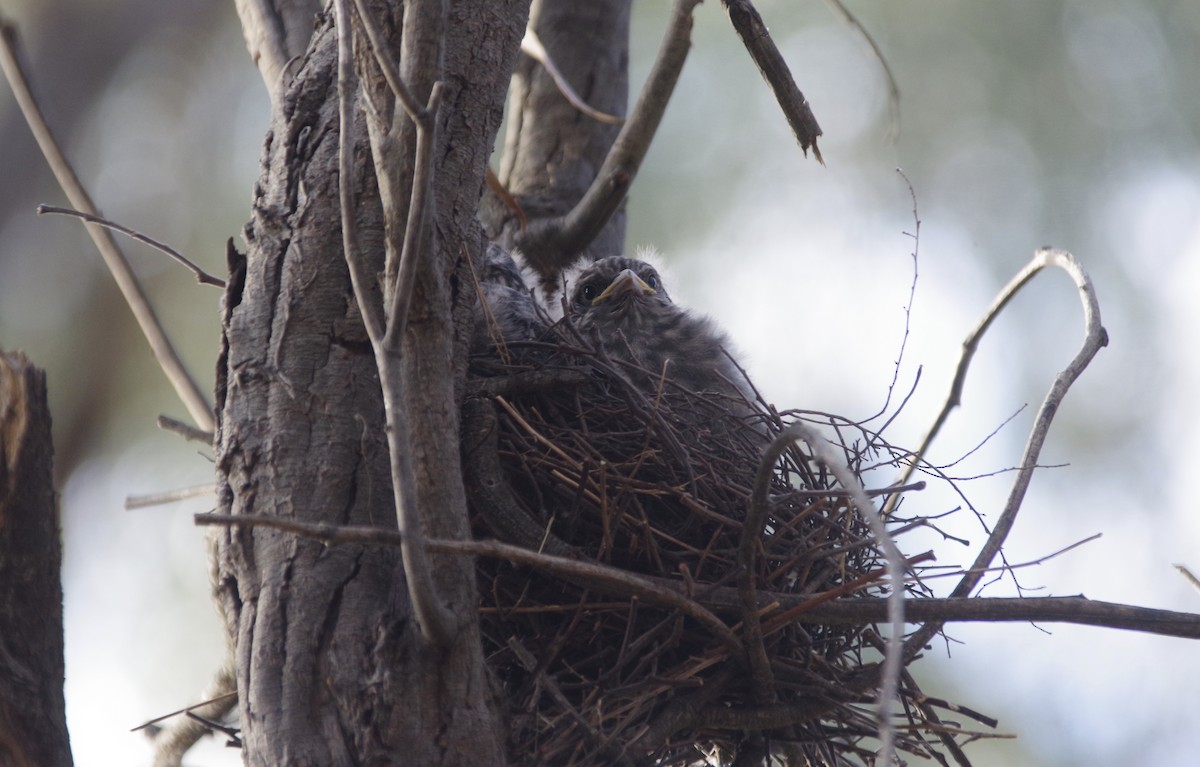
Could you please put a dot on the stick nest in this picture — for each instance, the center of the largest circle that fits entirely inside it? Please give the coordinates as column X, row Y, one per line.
column 566, row 457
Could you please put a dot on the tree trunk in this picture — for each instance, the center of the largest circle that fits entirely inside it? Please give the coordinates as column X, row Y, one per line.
column 332, row 667
column 33, row 721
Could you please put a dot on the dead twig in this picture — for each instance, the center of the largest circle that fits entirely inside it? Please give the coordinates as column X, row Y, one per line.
column 751, row 28
column 531, row 46
column 202, row 277
column 598, row 576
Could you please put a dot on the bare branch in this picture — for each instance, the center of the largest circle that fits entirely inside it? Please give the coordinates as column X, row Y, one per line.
column 188, row 432
column 1189, row 576
column 757, row 39
column 171, row 496
column 202, row 277
column 418, row 217
column 893, row 88
column 135, row 296
column 551, row 244
column 276, row 32
column 387, row 65
column 600, row 577
column 434, row 619
column 1096, row 337
column 531, row 46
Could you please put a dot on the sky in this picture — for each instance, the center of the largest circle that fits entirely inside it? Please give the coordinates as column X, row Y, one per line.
column 1072, row 124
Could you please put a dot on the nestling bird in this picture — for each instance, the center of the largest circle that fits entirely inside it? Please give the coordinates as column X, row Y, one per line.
column 624, row 304
column 505, row 311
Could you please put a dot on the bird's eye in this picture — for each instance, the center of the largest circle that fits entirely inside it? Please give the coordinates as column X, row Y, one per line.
column 589, row 292
column 652, row 281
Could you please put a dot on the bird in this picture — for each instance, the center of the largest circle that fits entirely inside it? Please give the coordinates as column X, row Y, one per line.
column 506, row 311
column 623, row 304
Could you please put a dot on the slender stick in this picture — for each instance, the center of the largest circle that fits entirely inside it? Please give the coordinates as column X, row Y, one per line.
column 135, row 296
column 202, row 277
column 598, row 576
column 531, row 46
column 434, row 619
column 387, row 65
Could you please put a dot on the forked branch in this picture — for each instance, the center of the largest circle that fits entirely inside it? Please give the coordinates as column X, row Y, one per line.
column 386, row 332
column 1095, row 338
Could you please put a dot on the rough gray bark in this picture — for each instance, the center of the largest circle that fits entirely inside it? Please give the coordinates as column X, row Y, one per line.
column 331, row 666
column 33, row 723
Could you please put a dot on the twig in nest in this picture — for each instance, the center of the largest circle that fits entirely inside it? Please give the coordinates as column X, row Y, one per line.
column 753, row 32
column 202, row 277
column 131, row 289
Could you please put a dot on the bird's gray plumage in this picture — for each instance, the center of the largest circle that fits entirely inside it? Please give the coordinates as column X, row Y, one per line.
column 623, row 303
column 506, row 311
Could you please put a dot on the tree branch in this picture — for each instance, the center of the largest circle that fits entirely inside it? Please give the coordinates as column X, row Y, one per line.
column 436, row 622
column 131, row 289
column 551, row 244
column 1095, row 338
column 276, row 32
column 757, row 39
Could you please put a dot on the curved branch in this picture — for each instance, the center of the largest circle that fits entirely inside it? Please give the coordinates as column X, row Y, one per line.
column 892, row 662
column 1096, row 337
column 551, row 244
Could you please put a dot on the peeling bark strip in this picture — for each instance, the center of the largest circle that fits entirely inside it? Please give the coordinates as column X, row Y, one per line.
column 33, row 724
column 301, row 432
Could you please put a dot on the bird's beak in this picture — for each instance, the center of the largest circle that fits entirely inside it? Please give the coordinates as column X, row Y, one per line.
column 625, row 282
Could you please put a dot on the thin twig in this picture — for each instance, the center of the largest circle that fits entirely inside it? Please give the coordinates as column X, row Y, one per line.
column 531, row 46
column 360, row 277
column 892, row 662
column 170, row 496
column 131, row 289
column 1188, row 575
column 418, row 218
column 187, row 431
column 1096, row 337
column 387, row 65
column 892, row 87
column 550, row 244
column 202, row 277
column 598, row 576
column 753, row 31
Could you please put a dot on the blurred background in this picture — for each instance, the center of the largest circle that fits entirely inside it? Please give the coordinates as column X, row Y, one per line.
column 1066, row 123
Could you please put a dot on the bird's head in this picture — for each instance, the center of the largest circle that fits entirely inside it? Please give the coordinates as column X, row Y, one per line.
column 619, row 288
